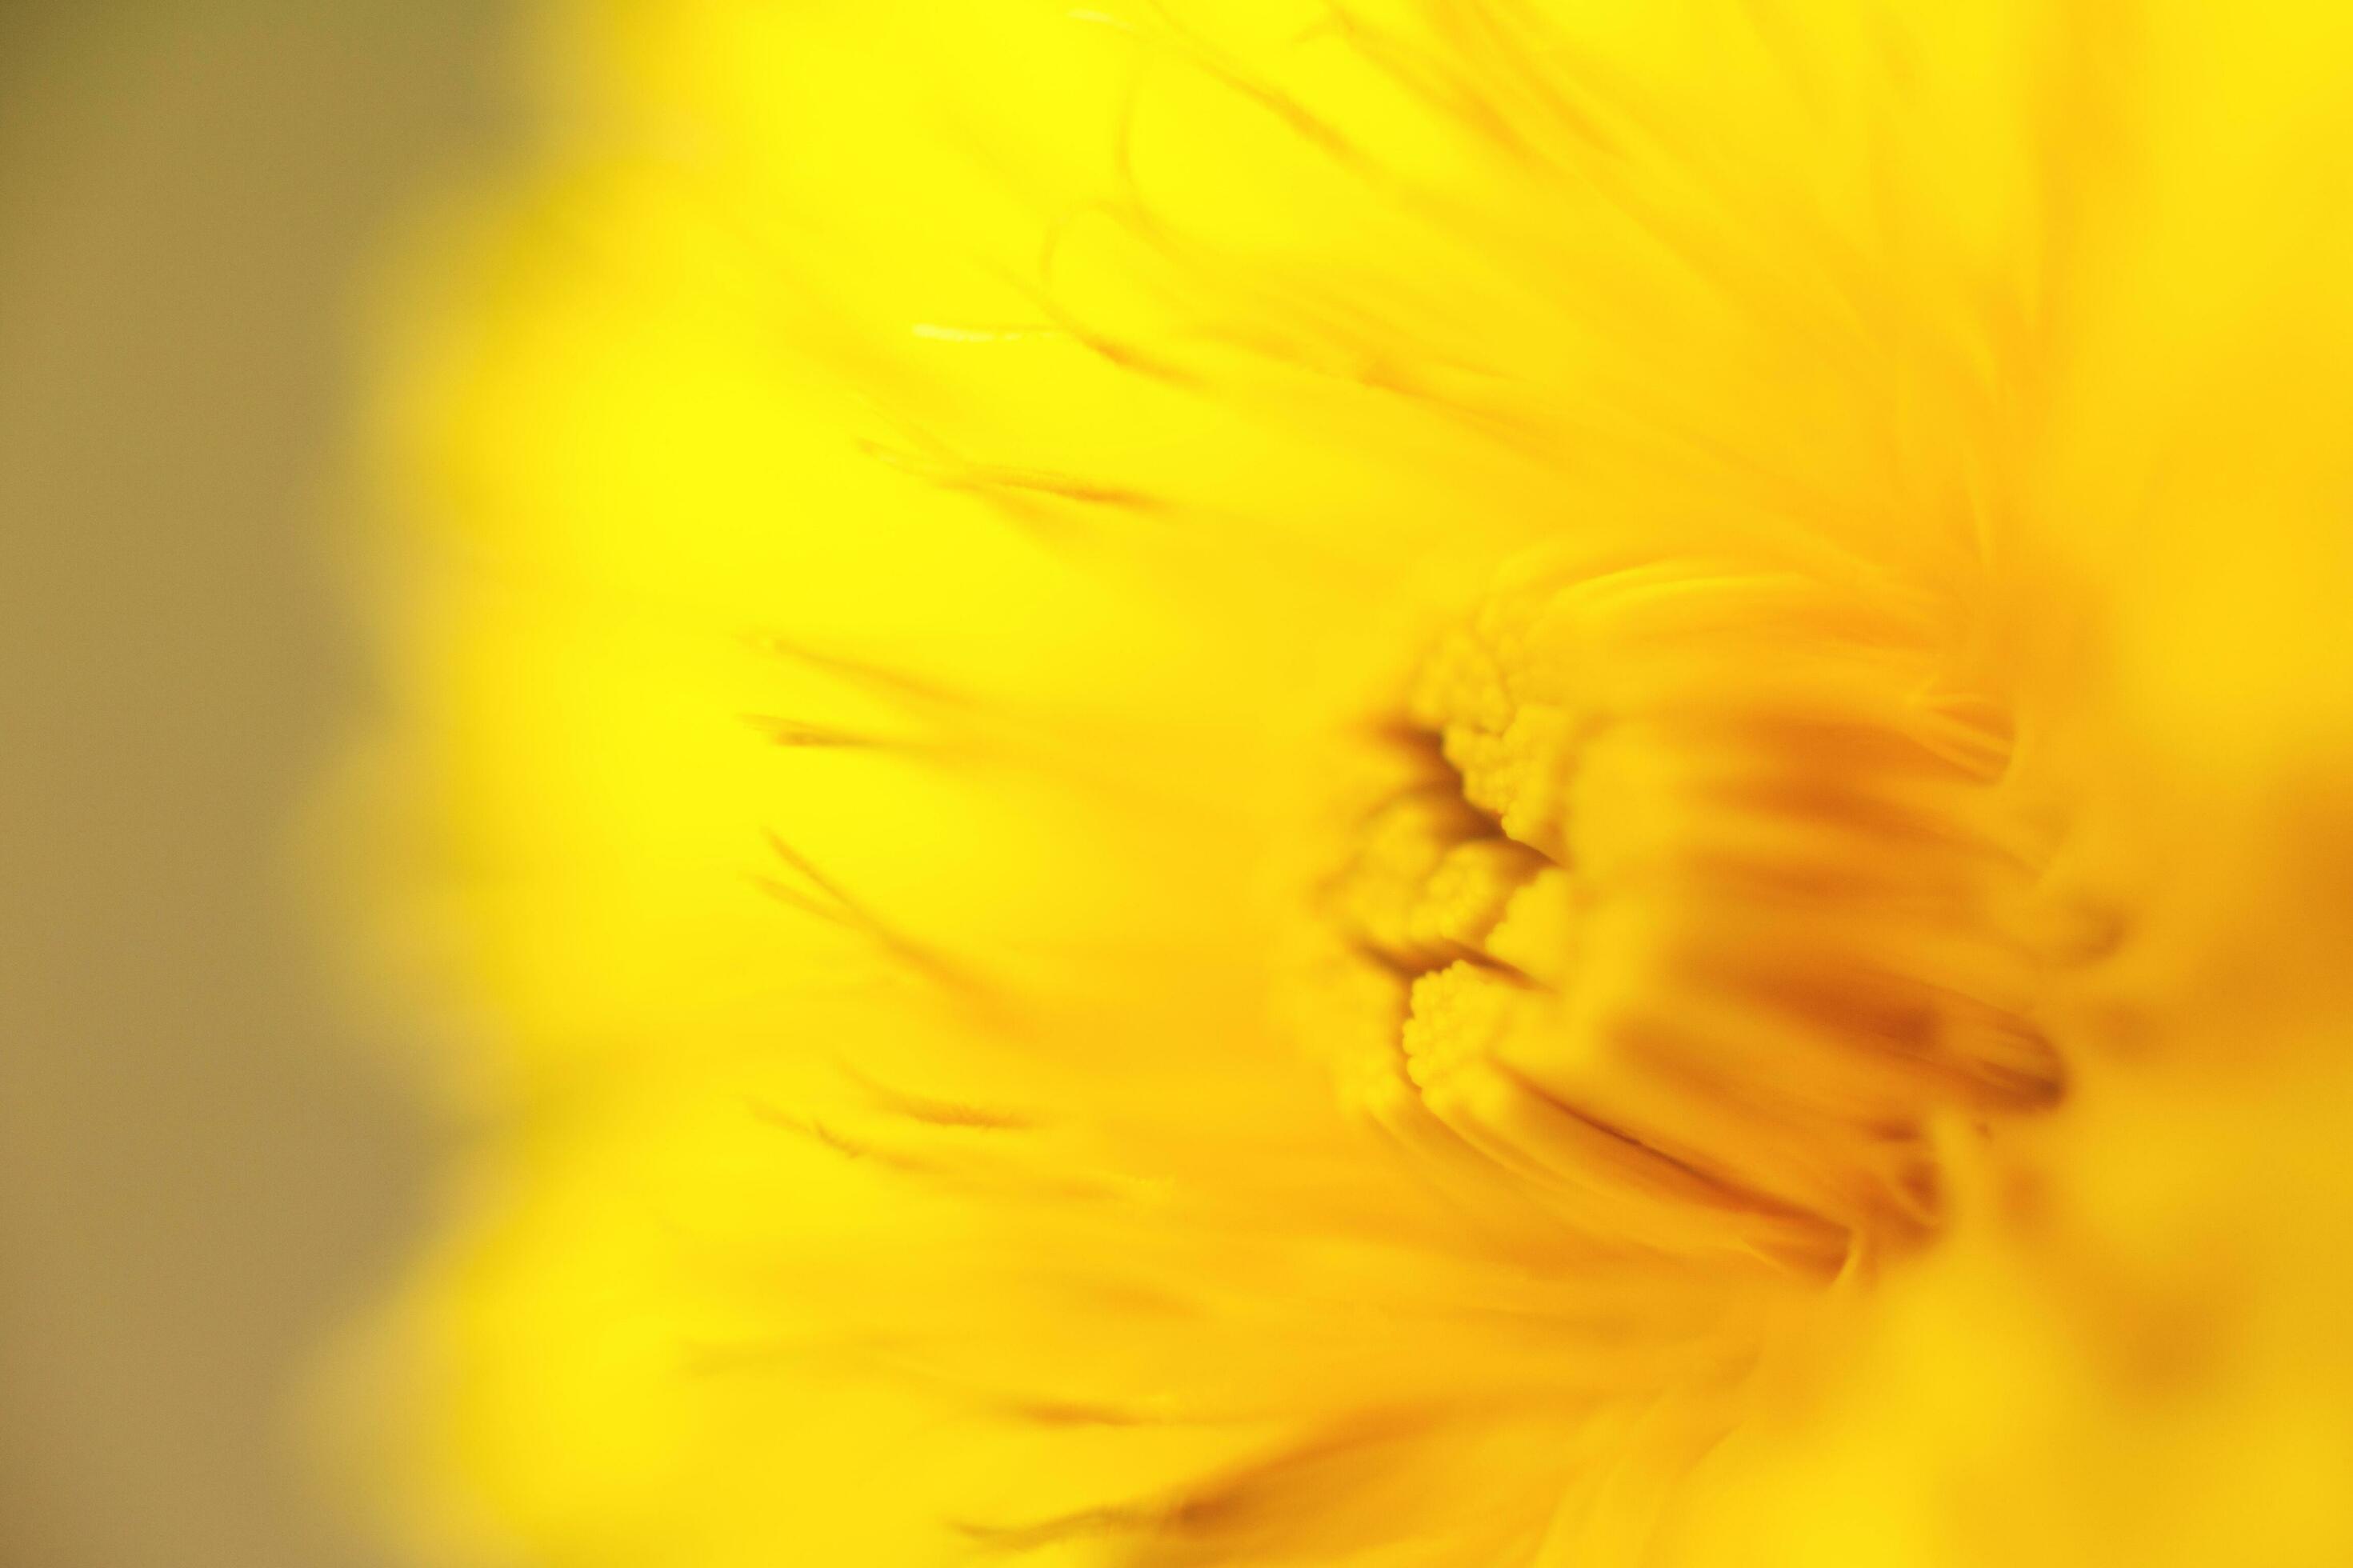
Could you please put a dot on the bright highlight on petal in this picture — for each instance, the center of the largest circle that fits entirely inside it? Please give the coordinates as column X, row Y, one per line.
column 1401, row 783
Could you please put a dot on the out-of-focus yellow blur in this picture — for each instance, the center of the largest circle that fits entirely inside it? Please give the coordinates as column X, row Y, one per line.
column 198, row 1173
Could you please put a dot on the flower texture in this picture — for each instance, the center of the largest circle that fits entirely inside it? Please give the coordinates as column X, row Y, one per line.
column 1396, row 783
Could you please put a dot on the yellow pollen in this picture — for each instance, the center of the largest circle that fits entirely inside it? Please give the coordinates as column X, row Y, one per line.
column 1693, row 893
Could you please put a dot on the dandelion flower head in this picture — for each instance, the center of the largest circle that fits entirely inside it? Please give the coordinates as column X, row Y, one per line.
column 1393, row 782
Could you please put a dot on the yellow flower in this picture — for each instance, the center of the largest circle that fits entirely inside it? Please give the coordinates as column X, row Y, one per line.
column 1405, row 783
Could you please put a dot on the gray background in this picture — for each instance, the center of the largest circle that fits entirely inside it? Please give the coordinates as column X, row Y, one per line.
column 203, row 1165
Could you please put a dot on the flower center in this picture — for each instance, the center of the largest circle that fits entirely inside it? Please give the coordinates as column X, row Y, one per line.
column 1686, row 906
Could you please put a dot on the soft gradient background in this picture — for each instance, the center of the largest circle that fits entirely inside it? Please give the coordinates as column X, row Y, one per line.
column 201, row 1166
